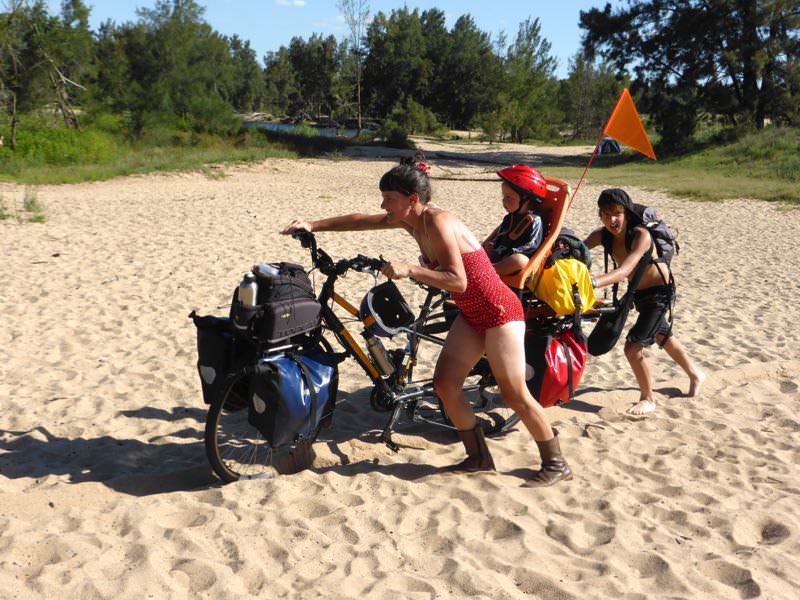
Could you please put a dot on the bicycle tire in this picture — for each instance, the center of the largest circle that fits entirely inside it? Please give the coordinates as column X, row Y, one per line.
column 234, row 448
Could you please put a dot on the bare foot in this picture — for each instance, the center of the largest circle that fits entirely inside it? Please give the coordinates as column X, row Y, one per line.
column 695, row 383
column 641, row 408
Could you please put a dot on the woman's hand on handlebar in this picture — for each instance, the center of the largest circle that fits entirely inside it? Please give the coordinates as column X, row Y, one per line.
column 297, row 225
column 395, row 269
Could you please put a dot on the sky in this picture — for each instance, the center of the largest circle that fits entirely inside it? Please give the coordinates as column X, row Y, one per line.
column 270, row 24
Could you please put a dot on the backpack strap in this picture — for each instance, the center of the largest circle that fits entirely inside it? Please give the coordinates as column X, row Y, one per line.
column 608, row 242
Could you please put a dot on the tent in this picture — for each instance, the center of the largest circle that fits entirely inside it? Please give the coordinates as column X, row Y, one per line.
column 609, row 146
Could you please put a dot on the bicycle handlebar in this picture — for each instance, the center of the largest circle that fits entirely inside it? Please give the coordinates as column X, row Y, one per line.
column 321, row 260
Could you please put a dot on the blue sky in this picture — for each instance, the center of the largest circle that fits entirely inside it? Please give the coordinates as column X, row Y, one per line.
column 269, row 24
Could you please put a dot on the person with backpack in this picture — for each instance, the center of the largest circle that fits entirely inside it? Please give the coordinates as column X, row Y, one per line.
column 642, row 247
column 520, row 233
column 491, row 320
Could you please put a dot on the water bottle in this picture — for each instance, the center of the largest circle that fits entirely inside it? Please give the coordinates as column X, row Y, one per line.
column 248, row 290
column 380, row 356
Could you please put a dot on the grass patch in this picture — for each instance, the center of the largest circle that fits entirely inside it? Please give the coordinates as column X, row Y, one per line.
column 141, row 160
column 32, row 205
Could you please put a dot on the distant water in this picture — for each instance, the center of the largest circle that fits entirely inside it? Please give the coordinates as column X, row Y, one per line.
column 323, row 131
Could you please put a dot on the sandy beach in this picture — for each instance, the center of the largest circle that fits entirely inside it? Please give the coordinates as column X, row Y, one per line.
column 105, row 490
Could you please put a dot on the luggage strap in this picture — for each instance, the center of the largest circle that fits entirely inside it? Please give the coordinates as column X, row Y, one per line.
column 569, row 369
column 311, row 391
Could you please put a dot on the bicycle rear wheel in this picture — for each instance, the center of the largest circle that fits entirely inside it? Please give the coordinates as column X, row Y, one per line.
column 235, row 449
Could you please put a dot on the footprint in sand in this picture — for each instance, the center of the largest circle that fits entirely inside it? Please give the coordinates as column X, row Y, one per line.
column 651, row 565
column 733, row 576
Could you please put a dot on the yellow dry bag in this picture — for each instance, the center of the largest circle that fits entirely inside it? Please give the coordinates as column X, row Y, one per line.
column 554, row 285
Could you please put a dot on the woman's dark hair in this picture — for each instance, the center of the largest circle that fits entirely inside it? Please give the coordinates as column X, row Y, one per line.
column 410, row 177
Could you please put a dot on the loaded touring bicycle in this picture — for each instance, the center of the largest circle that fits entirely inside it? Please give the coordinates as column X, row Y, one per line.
column 269, row 371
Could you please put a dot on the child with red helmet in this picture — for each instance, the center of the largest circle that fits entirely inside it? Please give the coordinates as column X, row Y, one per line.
column 520, row 233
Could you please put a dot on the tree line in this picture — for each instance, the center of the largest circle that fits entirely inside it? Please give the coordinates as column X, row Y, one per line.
column 736, row 59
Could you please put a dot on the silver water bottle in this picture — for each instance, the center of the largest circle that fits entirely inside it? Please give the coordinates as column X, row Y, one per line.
column 380, row 356
column 248, row 290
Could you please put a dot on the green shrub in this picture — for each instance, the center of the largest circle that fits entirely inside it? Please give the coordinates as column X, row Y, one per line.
column 61, row 146
column 110, row 123
column 395, row 135
column 305, row 130
column 211, row 114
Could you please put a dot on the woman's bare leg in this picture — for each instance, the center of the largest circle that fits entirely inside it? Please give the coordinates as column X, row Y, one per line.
column 678, row 353
column 505, row 349
column 462, row 349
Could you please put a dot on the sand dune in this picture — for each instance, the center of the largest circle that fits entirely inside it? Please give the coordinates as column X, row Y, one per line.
column 105, row 489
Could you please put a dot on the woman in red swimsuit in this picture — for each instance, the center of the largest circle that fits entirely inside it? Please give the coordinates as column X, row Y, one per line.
column 491, row 320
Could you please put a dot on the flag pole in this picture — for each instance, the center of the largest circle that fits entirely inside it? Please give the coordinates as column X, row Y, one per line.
column 597, row 146
column 591, row 158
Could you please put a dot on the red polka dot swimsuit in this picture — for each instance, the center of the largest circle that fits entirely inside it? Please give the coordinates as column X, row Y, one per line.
column 487, row 302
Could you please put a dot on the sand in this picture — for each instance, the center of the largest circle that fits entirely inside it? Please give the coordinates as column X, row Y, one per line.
column 106, row 491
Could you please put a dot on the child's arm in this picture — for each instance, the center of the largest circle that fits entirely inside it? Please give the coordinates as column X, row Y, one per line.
column 640, row 247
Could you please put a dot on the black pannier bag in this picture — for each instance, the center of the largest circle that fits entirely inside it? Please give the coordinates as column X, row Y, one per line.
column 219, row 354
column 290, row 395
column 286, row 305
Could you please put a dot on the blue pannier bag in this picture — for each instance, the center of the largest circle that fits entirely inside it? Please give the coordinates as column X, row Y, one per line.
column 290, row 395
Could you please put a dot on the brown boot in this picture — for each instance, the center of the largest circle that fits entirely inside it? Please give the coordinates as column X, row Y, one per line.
column 554, row 465
column 478, row 456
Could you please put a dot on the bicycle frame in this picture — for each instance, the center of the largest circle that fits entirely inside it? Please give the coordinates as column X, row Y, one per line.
column 391, row 392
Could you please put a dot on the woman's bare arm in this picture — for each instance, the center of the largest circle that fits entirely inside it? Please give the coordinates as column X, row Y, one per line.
column 353, row 222
column 449, row 275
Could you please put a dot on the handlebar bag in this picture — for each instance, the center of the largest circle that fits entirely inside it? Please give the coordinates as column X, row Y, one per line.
column 219, row 354
column 558, row 362
column 290, row 395
column 291, row 283
column 286, row 305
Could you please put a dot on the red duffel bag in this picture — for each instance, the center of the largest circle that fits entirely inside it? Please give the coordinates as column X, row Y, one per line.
column 558, row 362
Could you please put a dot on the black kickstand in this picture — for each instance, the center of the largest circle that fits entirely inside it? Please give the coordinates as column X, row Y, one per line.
column 386, row 437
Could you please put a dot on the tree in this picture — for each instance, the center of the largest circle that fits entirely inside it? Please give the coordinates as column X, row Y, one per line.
column 530, row 69
column 316, row 65
column 356, row 13
column 731, row 57
column 587, row 96
column 248, row 78
column 469, row 75
column 280, row 83
column 396, row 66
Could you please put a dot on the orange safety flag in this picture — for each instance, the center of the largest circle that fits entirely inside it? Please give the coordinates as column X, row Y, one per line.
column 626, row 127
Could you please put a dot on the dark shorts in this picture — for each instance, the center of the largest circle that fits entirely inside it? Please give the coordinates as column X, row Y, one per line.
column 653, row 305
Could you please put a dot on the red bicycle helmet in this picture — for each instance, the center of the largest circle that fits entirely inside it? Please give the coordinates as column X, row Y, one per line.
column 524, row 179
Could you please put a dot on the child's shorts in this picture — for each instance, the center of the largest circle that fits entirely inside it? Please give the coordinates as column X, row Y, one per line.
column 652, row 304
